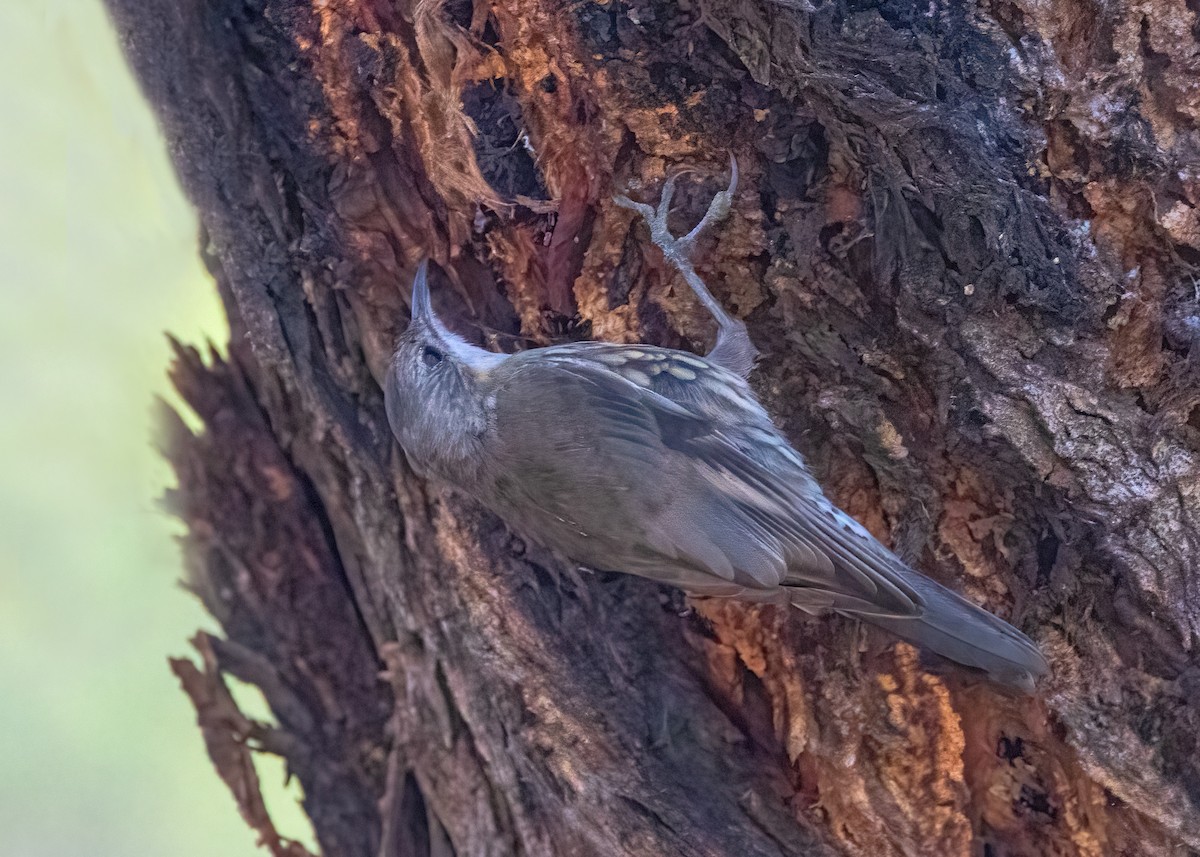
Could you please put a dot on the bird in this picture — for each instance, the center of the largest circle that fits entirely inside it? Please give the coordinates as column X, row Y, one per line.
column 663, row 463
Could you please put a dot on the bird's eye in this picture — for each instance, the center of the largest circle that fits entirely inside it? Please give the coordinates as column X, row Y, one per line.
column 431, row 357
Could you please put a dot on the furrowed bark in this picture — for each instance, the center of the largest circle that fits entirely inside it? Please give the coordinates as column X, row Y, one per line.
column 965, row 243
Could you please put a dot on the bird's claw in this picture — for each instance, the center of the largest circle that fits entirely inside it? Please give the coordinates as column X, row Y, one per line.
column 718, row 209
column 680, row 248
column 733, row 348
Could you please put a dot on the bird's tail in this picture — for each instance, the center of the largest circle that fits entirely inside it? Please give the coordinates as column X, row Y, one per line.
column 955, row 628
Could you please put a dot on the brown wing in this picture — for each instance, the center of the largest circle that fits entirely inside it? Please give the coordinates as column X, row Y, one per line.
column 728, row 495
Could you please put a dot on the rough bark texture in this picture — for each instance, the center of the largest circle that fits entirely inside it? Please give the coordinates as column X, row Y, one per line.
column 965, row 244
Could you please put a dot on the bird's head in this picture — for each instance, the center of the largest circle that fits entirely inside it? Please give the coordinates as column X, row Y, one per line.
column 434, row 390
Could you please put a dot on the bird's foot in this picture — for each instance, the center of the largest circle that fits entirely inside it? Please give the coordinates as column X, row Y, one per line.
column 733, row 349
column 679, row 250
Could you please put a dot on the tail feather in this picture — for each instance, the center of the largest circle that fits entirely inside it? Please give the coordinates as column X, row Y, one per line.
column 953, row 627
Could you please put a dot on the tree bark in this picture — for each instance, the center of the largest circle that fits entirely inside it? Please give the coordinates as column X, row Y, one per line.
column 965, row 243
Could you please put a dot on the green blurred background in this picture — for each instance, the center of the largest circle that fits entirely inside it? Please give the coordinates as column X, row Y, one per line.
column 99, row 753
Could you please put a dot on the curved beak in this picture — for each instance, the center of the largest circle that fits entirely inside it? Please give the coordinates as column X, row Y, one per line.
column 422, row 309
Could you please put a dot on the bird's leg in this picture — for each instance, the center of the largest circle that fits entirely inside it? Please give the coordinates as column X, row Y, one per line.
column 733, row 349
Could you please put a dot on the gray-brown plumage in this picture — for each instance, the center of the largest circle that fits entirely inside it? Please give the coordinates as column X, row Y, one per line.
column 663, row 464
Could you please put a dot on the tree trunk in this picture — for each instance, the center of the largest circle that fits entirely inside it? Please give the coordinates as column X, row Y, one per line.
column 965, row 244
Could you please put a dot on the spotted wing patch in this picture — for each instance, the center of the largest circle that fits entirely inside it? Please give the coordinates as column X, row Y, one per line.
column 643, row 365
column 683, row 373
column 687, row 379
column 637, row 376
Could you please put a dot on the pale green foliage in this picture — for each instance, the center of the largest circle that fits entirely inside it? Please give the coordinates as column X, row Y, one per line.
column 99, row 753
